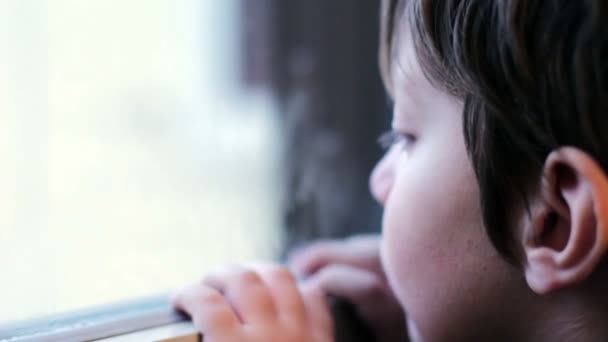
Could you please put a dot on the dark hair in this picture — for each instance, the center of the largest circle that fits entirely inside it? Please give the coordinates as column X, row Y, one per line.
column 533, row 76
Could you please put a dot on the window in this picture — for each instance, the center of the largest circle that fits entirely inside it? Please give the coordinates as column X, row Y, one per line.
column 131, row 156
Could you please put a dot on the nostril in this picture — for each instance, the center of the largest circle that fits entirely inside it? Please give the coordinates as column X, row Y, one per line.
column 373, row 187
column 380, row 184
column 384, row 190
column 383, row 176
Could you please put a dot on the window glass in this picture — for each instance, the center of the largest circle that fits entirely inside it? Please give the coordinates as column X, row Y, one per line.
column 131, row 157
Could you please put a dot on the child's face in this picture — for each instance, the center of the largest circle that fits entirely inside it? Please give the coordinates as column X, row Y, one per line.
column 439, row 262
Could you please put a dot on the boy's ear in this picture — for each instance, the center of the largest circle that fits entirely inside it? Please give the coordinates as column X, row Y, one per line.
column 567, row 235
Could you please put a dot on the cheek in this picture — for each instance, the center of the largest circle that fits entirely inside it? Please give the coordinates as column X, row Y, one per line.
column 434, row 247
column 431, row 223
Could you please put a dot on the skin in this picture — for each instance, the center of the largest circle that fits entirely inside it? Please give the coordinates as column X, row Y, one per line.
column 441, row 265
column 433, row 274
column 440, row 268
column 255, row 304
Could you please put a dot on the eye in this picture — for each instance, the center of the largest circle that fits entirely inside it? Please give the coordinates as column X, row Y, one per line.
column 391, row 138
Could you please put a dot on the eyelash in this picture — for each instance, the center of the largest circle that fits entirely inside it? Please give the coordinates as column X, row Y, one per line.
column 391, row 138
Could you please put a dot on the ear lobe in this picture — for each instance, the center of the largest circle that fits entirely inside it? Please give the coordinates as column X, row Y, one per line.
column 566, row 238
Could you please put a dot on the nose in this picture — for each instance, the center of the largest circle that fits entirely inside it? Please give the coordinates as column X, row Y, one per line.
column 383, row 176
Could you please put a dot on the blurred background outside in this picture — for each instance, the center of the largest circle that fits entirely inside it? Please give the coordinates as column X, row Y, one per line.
column 131, row 158
column 143, row 142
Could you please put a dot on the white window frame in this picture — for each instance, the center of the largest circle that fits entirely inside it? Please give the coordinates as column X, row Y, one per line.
column 146, row 319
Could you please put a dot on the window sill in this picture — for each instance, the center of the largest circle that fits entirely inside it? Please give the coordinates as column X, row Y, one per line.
column 150, row 319
column 179, row 332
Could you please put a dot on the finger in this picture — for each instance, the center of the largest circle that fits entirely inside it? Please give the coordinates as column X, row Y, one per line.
column 310, row 259
column 317, row 307
column 369, row 292
column 246, row 292
column 361, row 251
column 358, row 286
column 285, row 292
column 210, row 312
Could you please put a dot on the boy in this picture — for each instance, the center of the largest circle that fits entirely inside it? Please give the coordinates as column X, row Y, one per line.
column 495, row 190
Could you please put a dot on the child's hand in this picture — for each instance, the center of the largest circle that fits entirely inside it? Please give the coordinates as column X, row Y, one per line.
column 351, row 269
column 263, row 305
